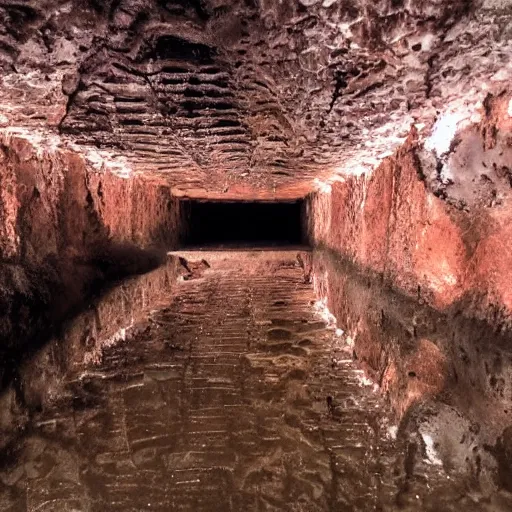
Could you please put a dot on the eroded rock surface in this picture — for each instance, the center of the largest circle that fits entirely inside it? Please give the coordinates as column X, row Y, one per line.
column 35, row 369
column 217, row 95
column 419, row 355
column 445, row 243
column 394, row 115
column 66, row 231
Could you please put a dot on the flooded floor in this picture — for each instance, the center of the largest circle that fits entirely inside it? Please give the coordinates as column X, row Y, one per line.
column 235, row 396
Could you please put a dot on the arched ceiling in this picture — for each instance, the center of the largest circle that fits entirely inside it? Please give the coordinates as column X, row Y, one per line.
column 213, row 96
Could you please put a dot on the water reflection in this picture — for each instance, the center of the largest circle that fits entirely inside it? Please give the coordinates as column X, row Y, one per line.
column 232, row 396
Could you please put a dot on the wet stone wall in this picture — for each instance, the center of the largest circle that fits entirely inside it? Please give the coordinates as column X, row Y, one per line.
column 68, row 229
column 39, row 380
column 446, row 376
column 414, row 262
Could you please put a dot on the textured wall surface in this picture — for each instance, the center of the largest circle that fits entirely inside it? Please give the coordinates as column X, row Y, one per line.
column 447, row 376
column 447, row 244
column 40, row 380
column 215, row 95
column 66, row 230
column 416, row 268
column 394, row 118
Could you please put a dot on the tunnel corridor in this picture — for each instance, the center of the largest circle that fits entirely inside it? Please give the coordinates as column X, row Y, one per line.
column 249, row 224
column 255, row 255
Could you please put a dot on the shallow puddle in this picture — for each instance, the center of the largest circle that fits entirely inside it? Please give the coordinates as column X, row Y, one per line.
column 232, row 396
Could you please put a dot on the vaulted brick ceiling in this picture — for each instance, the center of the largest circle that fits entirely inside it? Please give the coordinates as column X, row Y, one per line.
column 261, row 95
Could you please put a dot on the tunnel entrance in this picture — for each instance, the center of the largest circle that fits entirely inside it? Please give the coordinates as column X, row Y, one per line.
column 243, row 224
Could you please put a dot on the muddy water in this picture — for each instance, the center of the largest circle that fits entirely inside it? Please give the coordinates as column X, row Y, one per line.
column 234, row 396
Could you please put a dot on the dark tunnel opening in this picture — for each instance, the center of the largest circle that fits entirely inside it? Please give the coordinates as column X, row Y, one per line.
column 243, row 224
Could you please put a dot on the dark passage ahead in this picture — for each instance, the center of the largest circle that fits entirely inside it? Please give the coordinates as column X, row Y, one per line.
column 243, row 223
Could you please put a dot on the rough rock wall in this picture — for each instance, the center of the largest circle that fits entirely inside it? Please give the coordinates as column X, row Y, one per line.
column 389, row 224
column 416, row 266
column 66, row 230
column 438, row 254
column 244, row 92
column 448, row 377
column 443, row 241
column 112, row 318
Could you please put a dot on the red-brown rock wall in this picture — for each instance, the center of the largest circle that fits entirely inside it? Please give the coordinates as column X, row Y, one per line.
column 112, row 318
column 68, row 204
column 392, row 224
column 441, row 259
column 67, row 229
column 432, row 365
column 398, row 342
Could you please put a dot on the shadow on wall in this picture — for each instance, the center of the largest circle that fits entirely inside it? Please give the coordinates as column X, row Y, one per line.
column 35, row 300
column 412, row 350
column 67, row 233
column 448, row 376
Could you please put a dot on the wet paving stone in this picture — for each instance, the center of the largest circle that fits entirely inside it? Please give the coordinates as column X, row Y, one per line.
column 233, row 397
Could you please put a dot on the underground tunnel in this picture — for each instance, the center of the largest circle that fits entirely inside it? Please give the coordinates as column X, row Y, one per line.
column 255, row 256
column 242, row 224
